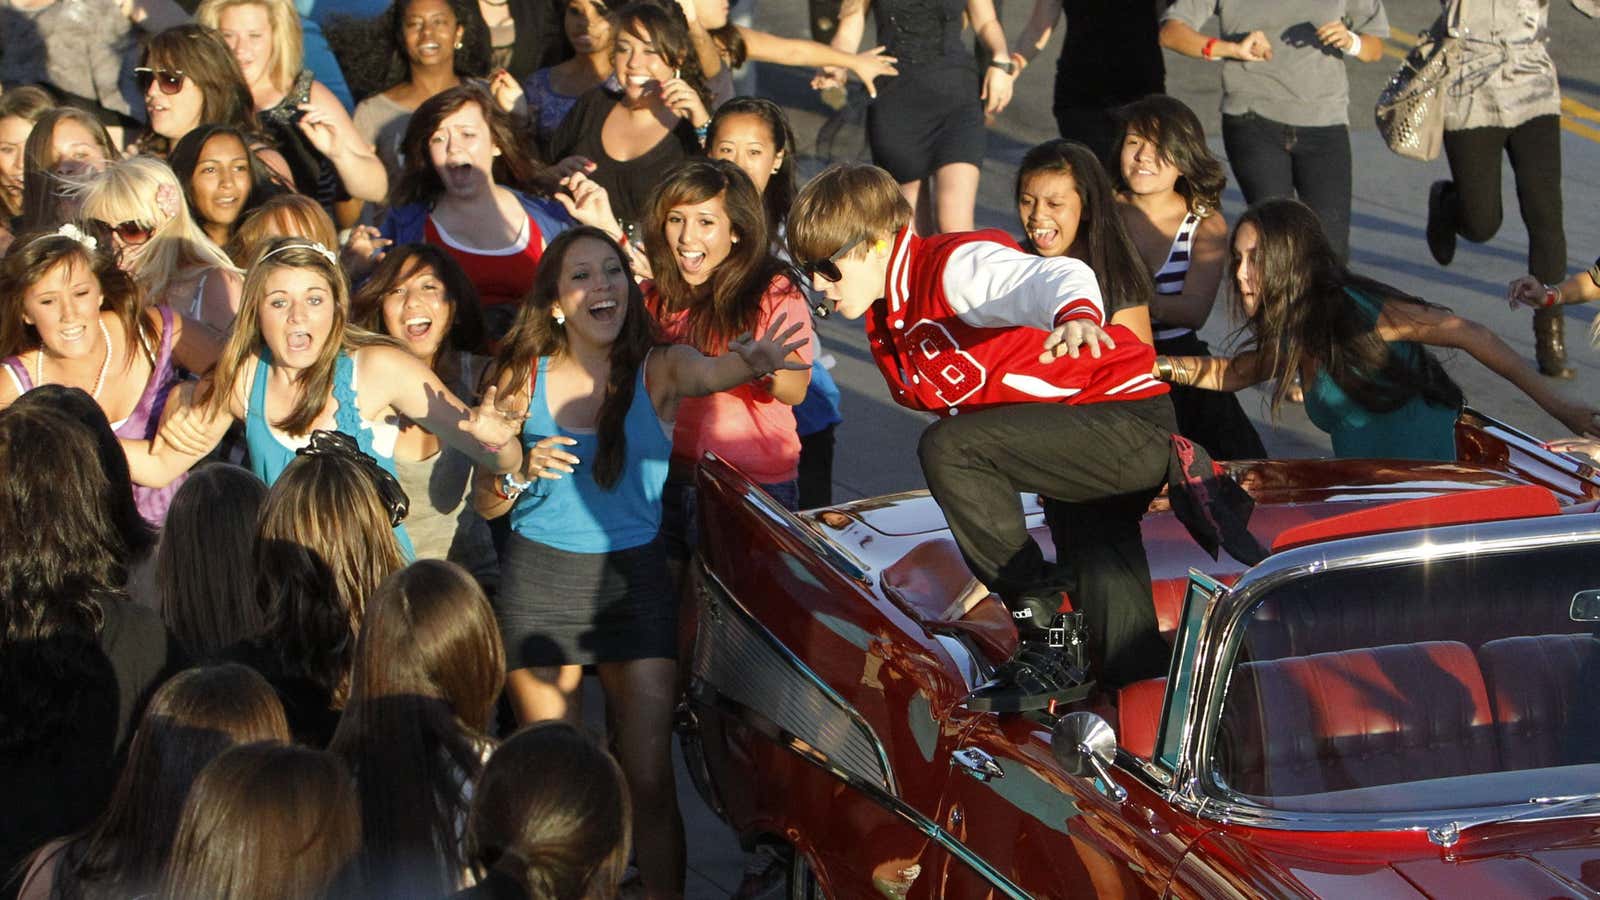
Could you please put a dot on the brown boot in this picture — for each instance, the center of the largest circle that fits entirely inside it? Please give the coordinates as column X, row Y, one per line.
column 1549, row 342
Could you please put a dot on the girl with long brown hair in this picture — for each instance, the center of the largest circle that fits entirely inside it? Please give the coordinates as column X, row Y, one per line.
column 1358, row 345
column 550, row 818
column 266, row 820
column 625, row 139
column 1169, row 193
column 716, row 278
column 323, row 543
column 293, row 365
column 584, row 578
column 70, row 316
column 190, row 721
column 428, row 670
column 419, row 296
column 66, row 144
column 465, row 188
column 204, row 571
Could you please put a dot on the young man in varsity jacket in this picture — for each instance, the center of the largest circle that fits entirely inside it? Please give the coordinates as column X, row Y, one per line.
column 1038, row 393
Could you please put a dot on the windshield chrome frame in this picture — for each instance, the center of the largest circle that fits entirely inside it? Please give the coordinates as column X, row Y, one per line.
column 1193, row 787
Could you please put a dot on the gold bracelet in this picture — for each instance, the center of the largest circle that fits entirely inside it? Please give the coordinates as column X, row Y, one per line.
column 1164, row 368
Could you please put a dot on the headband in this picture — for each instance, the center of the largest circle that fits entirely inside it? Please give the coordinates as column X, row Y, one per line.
column 69, row 230
column 314, row 246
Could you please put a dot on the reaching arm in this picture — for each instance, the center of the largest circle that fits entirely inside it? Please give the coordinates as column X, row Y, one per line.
column 1181, row 37
column 1437, row 327
column 852, row 25
column 867, row 66
column 1036, row 34
column 329, row 129
column 1207, row 256
column 1212, row 373
column 187, row 433
column 688, row 373
column 194, row 346
column 487, row 435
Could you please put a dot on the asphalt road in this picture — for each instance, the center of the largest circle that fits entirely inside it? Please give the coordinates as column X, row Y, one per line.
column 876, row 443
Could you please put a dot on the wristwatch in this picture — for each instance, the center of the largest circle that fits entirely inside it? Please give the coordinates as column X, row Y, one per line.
column 1005, row 65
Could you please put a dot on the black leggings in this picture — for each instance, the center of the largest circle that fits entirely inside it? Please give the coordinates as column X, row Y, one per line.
column 1535, row 151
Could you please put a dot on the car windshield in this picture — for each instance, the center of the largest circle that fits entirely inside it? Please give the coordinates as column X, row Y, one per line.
column 1449, row 683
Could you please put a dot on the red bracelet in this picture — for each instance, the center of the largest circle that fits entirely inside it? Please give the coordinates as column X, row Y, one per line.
column 1210, row 46
column 1551, row 294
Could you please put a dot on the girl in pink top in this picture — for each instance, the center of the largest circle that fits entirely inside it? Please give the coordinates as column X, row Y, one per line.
column 715, row 279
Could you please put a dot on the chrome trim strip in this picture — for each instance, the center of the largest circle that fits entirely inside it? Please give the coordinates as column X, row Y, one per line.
column 842, row 560
column 1532, row 446
column 893, row 804
column 890, row 783
column 1222, row 635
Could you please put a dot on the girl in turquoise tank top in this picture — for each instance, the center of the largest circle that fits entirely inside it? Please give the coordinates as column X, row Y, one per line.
column 1359, row 346
column 584, row 577
column 293, row 365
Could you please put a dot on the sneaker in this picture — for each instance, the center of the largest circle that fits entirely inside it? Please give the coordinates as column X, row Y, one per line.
column 1441, row 229
column 1038, row 676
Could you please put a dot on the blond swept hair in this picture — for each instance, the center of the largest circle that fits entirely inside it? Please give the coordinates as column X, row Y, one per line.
column 127, row 191
column 846, row 202
column 288, row 51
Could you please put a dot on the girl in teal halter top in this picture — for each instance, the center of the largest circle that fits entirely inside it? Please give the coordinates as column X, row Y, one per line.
column 293, row 365
column 1360, row 346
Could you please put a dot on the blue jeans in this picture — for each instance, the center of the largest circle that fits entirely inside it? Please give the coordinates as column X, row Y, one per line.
column 1271, row 159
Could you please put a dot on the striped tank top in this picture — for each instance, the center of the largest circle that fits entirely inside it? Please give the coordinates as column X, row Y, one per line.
column 1172, row 274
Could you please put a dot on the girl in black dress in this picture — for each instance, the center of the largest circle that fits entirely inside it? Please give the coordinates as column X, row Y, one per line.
column 926, row 126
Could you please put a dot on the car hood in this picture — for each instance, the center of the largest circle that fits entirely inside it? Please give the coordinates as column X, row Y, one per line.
column 1542, row 859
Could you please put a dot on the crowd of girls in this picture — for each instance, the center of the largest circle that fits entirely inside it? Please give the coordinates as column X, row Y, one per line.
column 374, row 423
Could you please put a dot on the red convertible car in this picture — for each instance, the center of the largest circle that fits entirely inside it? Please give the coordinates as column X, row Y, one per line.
column 1391, row 704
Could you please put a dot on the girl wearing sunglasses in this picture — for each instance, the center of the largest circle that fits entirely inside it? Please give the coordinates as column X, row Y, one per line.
column 69, row 316
column 293, row 365
column 139, row 207
column 330, row 160
column 188, row 77
column 715, row 279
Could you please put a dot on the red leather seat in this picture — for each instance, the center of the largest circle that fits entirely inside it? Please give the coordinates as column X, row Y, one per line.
column 1357, row 718
column 1139, row 715
column 926, row 583
column 1533, row 685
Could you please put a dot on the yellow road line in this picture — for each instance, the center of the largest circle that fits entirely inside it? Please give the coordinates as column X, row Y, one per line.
column 1572, row 110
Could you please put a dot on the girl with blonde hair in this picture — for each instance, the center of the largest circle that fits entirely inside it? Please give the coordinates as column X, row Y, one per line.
column 138, row 204
column 330, row 160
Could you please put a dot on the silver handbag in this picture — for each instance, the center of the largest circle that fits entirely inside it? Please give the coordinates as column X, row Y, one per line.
column 1410, row 110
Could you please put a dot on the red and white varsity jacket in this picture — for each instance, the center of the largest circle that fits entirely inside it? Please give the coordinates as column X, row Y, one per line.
column 964, row 317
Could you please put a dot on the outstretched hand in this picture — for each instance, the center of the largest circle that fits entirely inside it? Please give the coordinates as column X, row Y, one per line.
column 1069, row 337
column 873, row 64
column 490, row 425
column 588, row 203
column 1527, row 291
column 1579, row 419
column 547, row 460
column 771, row 352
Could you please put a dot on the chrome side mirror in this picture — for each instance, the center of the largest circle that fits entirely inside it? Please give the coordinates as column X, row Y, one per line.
column 1086, row 746
column 1585, row 606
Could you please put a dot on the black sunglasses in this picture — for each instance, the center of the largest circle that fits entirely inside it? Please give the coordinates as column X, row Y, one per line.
column 829, row 269
column 131, row 231
column 171, row 80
